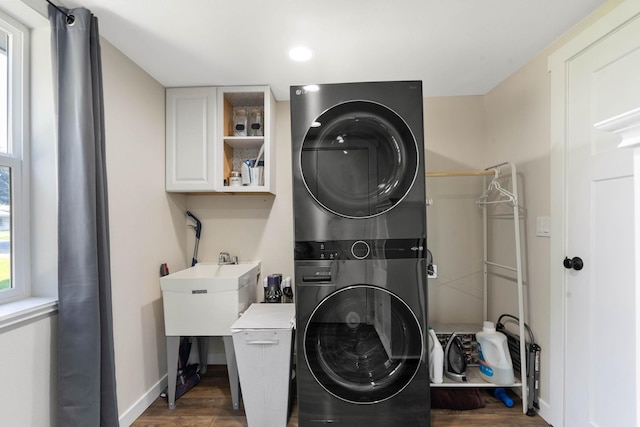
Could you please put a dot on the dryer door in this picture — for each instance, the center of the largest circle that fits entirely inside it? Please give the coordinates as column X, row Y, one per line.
column 359, row 159
column 363, row 344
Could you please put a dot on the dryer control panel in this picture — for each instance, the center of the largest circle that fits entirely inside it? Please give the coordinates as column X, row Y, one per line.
column 361, row 249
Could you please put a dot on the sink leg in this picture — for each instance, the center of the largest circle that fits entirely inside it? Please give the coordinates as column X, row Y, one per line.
column 173, row 345
column 232, row 368
column 203, row 351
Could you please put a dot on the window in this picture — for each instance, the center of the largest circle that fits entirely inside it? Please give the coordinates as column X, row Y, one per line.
column 14, row 213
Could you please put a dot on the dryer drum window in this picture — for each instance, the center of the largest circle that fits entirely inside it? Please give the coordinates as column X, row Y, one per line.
column 359, row 159
column 363, row 344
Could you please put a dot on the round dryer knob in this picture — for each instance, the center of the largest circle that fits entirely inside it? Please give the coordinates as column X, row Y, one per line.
column 360, row 249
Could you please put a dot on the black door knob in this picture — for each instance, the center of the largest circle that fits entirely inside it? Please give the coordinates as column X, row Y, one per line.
column 575, row 263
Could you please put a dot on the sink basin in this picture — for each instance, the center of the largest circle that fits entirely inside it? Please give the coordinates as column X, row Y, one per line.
column 210, row 276
column 206, row 299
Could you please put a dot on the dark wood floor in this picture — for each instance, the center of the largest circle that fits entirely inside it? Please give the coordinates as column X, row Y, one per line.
column 209, row 405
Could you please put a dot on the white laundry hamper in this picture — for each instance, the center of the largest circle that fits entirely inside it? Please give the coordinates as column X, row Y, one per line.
column 262, row 339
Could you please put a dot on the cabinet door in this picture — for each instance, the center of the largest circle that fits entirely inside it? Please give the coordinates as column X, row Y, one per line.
column 190, row 153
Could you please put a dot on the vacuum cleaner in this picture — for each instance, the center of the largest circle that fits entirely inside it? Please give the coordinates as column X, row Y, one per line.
column 198, row 229
column 188, row 373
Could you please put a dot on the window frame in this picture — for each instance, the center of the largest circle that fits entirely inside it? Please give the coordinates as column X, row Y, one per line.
column 17, row 157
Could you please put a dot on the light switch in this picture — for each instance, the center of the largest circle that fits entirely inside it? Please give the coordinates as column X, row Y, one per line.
column 543, row 226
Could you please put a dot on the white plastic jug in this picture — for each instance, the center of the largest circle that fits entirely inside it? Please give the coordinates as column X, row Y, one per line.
column 493, row 354
column 436, row 358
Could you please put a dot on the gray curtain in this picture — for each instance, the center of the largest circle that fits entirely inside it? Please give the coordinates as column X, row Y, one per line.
column 86, row 371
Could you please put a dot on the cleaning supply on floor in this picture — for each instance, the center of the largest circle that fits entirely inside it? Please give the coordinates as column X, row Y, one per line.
column 493, row 355
column 436, row 358
column 501, row 394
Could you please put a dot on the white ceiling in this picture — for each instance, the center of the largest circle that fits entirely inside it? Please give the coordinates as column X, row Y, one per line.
column 456, row 47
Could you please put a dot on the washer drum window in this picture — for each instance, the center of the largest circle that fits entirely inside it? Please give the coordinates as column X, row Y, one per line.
column 363, row 344
column 359, row 159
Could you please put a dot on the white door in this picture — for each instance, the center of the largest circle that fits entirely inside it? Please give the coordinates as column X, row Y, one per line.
column 600, row 364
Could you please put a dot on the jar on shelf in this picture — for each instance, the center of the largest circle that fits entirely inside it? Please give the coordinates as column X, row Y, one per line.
column 240, row 122
column 255, row 123
column 235, row 180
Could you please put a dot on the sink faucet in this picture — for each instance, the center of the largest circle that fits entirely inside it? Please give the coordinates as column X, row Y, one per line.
column 224, row 258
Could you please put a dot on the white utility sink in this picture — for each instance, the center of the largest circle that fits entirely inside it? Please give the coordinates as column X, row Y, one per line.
column 206, row 299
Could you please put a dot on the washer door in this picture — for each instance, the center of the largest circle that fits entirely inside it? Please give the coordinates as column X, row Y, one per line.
column 359, row 159
column 363, row 344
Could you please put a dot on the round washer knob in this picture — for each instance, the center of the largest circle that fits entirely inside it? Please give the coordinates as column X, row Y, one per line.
column 360, row 249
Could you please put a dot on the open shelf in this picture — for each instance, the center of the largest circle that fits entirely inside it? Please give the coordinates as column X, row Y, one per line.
column 473, row 380
column 233, row 149
column 244, row 141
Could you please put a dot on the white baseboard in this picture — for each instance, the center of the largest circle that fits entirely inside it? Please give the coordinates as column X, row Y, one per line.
column 545, row 411
column 134, row 411
column 138, row 408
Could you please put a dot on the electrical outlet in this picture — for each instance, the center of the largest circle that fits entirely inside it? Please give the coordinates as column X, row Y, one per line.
column 434, row 274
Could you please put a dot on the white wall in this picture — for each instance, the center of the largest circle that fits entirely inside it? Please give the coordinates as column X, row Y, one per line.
column 454, row 141
column 517, row 116
column 28, row 361
column 146, row 228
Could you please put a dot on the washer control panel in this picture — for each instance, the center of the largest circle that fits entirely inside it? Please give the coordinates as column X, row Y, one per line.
column 361, row 249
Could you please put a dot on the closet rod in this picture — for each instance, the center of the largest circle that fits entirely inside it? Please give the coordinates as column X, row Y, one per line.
column 460, row 173
column 70, row 18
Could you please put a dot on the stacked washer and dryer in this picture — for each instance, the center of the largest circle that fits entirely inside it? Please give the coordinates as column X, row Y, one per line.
column 360, row 254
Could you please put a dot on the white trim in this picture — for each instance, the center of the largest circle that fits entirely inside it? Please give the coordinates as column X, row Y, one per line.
column 17, row 157
column 545, row 410
column 557, row 282
column 627, row 125
column 606, row 24
column 132, row 413
column 16, row 313
column 636, row 184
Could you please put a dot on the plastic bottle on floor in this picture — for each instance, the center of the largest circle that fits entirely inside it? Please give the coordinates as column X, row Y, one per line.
column 493, row 354
column 436, row 358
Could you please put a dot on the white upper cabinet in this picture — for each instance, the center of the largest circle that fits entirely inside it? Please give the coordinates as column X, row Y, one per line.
column 212, row 132
column 190, row 140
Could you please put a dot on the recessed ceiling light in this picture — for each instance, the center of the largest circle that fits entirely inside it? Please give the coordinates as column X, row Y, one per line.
column 300, row 53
